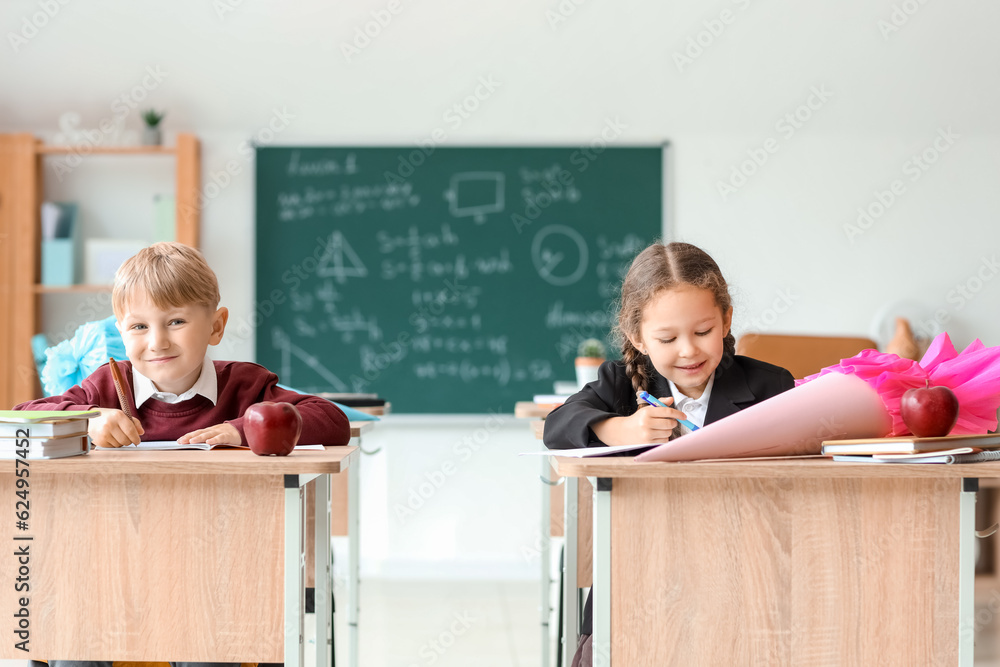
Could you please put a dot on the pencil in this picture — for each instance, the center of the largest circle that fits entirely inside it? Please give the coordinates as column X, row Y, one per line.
column 117, row 377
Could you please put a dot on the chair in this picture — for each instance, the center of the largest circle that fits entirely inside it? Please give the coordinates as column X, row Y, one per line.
column 801, row 355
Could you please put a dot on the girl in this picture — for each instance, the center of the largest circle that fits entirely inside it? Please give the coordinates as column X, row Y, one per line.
column 674, row 327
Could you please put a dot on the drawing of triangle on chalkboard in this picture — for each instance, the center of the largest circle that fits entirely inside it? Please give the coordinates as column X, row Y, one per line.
column 331, row 264
column 327, row 380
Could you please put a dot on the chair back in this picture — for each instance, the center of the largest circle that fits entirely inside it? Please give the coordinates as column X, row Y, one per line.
column 801, row 355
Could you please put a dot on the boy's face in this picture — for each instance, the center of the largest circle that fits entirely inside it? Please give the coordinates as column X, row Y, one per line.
column 682, row 331
column 168, row 345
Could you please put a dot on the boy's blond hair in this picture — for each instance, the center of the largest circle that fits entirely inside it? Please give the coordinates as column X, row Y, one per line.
column 169, row 274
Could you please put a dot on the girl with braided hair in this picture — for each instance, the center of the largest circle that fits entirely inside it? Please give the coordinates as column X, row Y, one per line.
column 674, row 325
column 674, row 328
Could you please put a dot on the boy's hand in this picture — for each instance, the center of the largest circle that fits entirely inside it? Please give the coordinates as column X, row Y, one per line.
column 220, row 434
column 114, row 429
column 647, row 424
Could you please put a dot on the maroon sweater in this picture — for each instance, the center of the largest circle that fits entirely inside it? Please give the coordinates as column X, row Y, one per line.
column 241, row 384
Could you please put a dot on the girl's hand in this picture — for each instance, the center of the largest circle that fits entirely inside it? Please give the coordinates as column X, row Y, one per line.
column 114, row 429
column 648, row 424
column 220, row 434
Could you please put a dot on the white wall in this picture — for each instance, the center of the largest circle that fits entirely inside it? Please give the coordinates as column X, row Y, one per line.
column 780, row 237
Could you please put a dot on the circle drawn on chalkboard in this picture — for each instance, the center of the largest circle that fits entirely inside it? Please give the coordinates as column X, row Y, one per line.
column 551, row 257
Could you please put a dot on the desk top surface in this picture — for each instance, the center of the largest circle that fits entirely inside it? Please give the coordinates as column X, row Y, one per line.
column 790, row 468
column 331, row 460
column 532, row 410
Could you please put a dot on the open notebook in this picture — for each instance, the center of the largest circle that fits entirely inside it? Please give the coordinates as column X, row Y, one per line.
column 173, row 444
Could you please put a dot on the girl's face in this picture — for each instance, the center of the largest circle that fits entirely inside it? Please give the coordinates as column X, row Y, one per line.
column 682, row 331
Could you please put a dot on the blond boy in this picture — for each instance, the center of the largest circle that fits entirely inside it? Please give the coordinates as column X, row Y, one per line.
column 166, row 302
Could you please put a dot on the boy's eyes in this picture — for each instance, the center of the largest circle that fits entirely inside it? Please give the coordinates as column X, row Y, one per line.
column 176, row 320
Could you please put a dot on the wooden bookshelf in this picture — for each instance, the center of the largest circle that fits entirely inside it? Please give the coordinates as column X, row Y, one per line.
column 84, row 151
column 21, row 193
column 70, row 289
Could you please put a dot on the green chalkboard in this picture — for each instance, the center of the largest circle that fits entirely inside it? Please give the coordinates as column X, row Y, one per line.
column 447, row 280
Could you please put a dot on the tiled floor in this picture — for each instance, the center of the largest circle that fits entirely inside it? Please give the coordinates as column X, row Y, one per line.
column 488, row 624
column 411, row 624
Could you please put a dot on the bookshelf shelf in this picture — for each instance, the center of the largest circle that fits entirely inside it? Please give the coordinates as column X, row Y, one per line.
column 71, row 289
column 85, row 150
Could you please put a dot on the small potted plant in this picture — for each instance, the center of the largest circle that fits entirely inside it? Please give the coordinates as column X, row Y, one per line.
column 151, row 133
column 589, row 356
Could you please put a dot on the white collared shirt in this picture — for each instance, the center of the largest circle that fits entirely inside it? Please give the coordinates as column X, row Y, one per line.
column 694, row 408
column 207, row 385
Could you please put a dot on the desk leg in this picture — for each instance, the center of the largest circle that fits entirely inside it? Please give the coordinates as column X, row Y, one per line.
column 324, row 580
column 602, row 573
column 571, row 594
column 294, row 573
column 967, row 572
column 546, row 559
column 353, row 568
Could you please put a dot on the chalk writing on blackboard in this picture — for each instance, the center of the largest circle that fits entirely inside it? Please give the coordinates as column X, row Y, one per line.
column 466, row 284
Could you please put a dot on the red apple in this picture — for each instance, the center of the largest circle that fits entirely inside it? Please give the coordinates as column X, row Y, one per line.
column 272, row 428
column 929, row 412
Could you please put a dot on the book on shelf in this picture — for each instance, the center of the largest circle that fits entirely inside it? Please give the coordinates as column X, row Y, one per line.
column 44, row 448
column 909, row 444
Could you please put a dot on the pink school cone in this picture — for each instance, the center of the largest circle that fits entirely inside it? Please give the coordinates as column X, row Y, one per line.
column 857, row 398
column 834, row 407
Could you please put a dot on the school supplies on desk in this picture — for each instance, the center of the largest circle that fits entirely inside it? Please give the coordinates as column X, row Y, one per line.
column 909, row 444
column 162, row 445
column 586, row 452
column 44, row 448
column 649, row 398
column 39, row 416
column 960, row 455
column 792, row 423
column 119, row 386
column 45, row 423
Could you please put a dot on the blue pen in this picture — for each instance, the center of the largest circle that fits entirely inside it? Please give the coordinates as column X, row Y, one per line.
column 656, row 402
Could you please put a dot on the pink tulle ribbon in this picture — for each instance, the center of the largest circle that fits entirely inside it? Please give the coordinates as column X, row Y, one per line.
column 973, row 374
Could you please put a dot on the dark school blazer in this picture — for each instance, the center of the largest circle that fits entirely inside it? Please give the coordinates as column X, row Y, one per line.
column 739, row 383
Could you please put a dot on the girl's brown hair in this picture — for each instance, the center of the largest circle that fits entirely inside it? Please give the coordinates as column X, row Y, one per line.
column 660, row 267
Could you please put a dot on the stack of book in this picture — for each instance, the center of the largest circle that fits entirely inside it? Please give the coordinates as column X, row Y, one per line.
column 43, row 435
column 911, row 449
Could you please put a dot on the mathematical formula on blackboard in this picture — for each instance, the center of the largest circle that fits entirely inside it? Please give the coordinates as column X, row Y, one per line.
column 463, row 288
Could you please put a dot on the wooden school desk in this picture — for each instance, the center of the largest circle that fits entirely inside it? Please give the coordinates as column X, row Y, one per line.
column 182, row 555
column 794, row 562
column 566, row 512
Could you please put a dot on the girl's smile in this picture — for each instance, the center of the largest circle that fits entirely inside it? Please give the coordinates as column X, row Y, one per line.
column 682, row 332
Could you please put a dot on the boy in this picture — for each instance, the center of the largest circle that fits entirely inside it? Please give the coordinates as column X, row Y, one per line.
column 166, row 301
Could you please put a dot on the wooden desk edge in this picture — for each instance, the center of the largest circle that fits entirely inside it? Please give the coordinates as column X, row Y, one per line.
column 531, row 410
column 331, row 460
column 357, row 428
column 805, row 468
